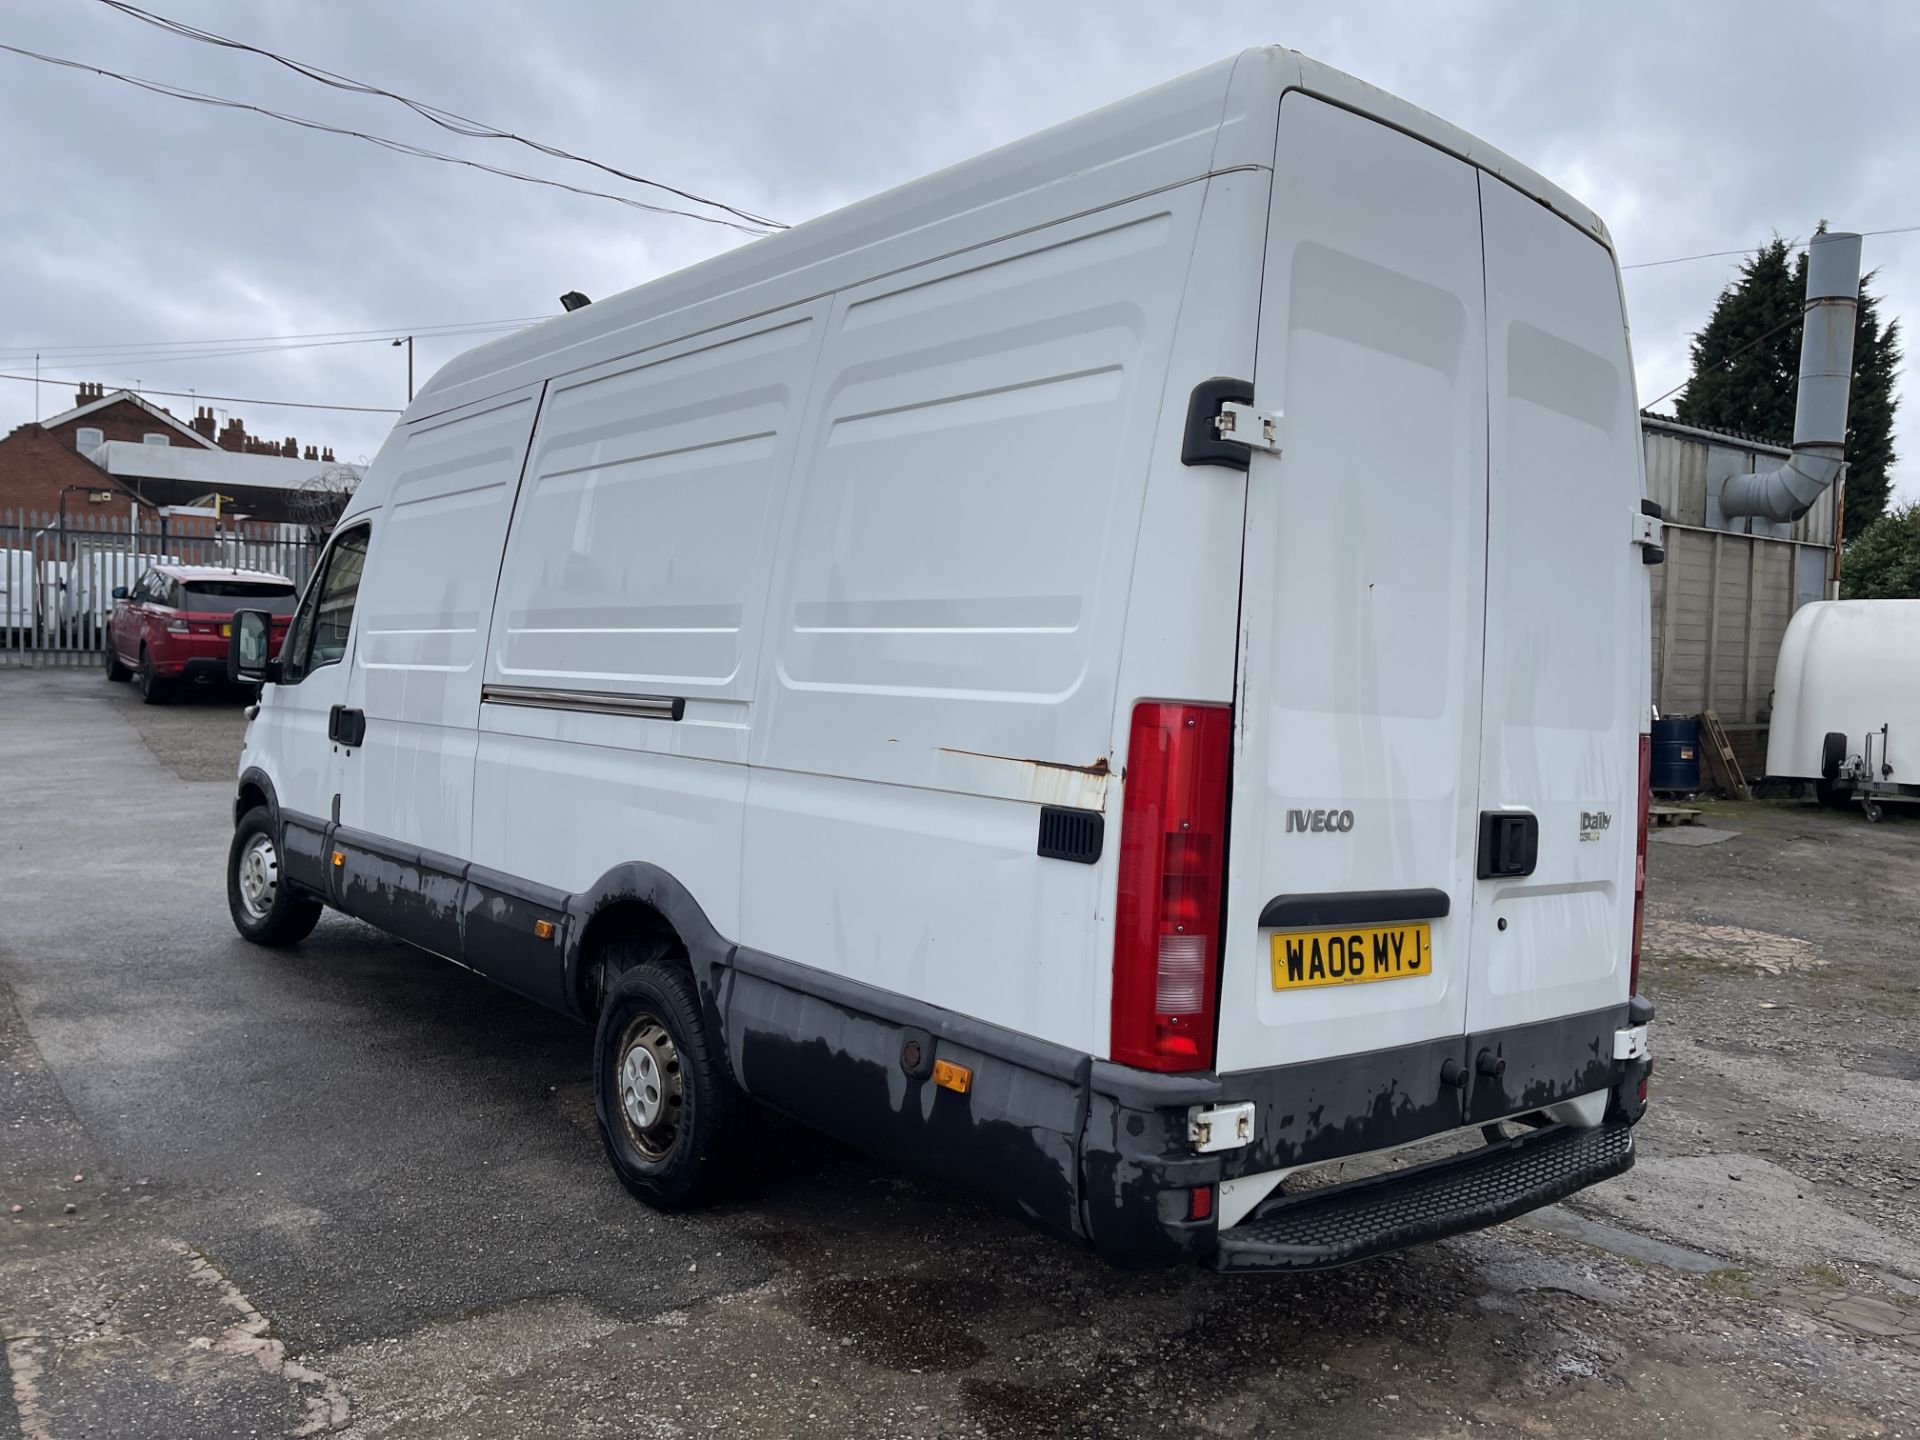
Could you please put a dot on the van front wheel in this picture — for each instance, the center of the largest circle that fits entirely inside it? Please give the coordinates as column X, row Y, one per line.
column 265, row 910
column 669, row 1110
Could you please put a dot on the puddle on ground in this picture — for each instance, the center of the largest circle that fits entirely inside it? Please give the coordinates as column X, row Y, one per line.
column 902, row 1322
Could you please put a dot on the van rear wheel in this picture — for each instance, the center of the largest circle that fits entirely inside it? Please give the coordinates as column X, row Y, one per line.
column 670, row 1113
column 265, row 909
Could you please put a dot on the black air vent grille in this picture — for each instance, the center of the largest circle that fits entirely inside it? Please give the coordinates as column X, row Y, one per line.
column 1069, row 834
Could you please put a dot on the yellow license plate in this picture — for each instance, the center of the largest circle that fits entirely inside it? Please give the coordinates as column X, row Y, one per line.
column 1353, row 955
column 225, row 631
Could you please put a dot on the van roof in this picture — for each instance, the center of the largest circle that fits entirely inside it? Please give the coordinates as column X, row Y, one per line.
column 1220, row 118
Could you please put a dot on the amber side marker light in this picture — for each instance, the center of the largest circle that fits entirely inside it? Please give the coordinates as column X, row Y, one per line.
column 339, row 857
column 543, row 929
column 949, row 1076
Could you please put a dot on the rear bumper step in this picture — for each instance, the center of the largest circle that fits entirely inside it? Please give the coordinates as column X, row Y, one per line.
column 1322, row 1229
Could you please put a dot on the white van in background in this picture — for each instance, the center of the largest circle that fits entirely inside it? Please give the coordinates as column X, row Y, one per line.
column 1113, row 675
column 92, row 578
column 18, row 603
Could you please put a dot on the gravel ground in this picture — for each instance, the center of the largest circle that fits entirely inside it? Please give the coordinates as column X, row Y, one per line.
column 354, row 1191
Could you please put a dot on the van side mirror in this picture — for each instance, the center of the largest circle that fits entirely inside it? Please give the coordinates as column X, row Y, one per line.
column 249, row 655
column 120, row 592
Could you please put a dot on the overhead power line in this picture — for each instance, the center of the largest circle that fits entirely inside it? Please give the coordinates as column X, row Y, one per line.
column 87, row 358
column 1729, row 358
column 400, row 147
column 446, row 119
column 223, row 399
column 91, row 361
column 451, row 328
column 1722, row 254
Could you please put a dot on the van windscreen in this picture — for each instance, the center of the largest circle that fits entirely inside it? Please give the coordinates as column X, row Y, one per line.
column 273, row 597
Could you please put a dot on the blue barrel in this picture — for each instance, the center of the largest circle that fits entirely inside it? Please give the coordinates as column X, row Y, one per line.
column 1676, row 755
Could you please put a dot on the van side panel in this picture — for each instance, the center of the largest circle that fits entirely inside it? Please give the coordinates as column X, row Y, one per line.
column 421, row 623
column 636, row 571
column 946, row 617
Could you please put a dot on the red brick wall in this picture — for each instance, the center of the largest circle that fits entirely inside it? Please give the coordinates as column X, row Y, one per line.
column 122, row 420
column 35, row 464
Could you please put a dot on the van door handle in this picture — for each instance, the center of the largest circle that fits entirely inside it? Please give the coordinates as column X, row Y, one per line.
column 346, row 726
column 1509, row 843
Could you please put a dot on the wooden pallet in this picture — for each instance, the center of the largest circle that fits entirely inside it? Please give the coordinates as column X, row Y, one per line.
column 1725, row 768
column 1672, row 815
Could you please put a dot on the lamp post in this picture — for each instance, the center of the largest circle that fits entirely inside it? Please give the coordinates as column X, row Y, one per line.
column 83, row 489
column 408, row 342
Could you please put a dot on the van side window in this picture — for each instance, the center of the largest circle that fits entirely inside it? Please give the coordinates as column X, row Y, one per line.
column 319, row 633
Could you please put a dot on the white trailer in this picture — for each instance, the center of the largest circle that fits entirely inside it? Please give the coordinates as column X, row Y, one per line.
column 1846, row 702
column 1112, row 675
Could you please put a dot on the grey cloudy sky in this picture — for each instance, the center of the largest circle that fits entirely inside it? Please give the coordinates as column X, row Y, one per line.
column 126, row 218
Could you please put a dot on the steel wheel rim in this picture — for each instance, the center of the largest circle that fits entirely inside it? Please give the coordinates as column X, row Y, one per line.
column 651, row 1086
column 259, row 876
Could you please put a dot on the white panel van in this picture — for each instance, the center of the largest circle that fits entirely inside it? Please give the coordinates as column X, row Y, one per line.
column 1113, row 676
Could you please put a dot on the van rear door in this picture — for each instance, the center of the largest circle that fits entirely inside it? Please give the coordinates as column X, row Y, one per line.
column 1566, row 680
column 1355, row 789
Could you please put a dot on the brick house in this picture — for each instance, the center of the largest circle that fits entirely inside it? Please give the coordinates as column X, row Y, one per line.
column 115, row 449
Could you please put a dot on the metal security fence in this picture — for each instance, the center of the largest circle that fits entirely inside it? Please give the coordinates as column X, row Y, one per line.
column 58, row 571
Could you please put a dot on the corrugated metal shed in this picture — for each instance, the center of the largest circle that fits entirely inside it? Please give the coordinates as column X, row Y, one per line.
column 1684, row 461
column 1722, row 600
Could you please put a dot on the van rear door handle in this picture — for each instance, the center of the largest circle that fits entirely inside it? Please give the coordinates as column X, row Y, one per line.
column 346, row 726
column 1509, row 843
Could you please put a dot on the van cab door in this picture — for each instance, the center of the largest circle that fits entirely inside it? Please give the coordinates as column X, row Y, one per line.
column 1355, row 778
column 1566, row 685
column 290, row 739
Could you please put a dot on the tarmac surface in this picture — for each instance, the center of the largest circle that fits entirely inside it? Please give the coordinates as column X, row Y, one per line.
column 352, row 1190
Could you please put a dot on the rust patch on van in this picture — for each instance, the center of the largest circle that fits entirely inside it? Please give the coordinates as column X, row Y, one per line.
column 1045, row 782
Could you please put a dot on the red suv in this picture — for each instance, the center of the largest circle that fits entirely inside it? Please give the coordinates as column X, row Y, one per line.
column 173, row 626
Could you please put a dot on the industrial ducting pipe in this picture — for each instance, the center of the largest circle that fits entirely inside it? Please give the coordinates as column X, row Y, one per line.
column 1820, row 408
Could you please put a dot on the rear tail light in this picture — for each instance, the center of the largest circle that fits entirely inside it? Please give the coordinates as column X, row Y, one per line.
column 1173, row 840
column 1640, row 860
column 176, row 627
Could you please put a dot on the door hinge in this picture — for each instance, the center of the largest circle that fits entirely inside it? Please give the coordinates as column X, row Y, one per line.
column 1649, row 533
column 1241, row 424
column 1220, row 1127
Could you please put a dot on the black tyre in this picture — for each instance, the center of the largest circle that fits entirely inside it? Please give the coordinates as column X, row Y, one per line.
column 265, row 909
column 153, row 689
column 1832, row 796
column 116, row 672
column 1833, row 754
column 671, row 1116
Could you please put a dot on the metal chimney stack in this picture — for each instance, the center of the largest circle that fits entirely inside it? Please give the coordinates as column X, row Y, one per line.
column 1820, row 407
